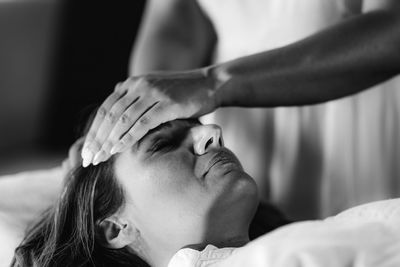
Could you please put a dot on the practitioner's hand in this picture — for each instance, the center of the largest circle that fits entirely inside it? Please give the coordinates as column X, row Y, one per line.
column 140, row 104
column 74, row 159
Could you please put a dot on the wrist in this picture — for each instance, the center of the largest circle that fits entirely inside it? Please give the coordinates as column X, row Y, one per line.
column 217, row 77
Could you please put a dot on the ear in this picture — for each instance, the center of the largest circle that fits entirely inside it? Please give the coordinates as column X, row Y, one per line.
column 117, row 233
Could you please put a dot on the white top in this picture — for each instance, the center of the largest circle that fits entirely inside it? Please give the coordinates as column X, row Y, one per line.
column 367, row 236
column 251, row 26
column 347, row 148
column 209, row 256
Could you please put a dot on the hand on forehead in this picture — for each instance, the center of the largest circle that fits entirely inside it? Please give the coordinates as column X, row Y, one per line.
column 142, row 103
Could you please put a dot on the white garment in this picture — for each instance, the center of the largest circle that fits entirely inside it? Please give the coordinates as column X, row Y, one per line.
column 209, row 256
column 365, row 236
column 341, row 153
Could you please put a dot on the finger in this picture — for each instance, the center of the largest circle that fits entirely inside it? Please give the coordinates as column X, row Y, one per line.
column 120, row 87
column 111, row 119
column 100, row 116
column 155, row 116
column 127, row 120
column 102, row 112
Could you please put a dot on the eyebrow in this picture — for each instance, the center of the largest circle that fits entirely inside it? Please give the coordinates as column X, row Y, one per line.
column 162, row 127
column 158, row 129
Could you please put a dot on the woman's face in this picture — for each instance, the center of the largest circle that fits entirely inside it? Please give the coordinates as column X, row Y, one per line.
column 184, row 188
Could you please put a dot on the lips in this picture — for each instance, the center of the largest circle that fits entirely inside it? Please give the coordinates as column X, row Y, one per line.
column 222, row 157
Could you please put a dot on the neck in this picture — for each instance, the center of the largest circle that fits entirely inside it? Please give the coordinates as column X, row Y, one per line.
column 159, row 256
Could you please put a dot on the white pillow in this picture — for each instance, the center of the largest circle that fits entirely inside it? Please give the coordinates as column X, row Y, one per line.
column 367, row 236
column 384, row 210
column 23, row 197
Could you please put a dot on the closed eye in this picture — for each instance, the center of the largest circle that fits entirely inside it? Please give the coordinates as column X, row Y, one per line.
column 160, row 144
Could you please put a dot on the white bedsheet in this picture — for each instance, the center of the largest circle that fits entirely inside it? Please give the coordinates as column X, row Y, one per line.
column 365, row 236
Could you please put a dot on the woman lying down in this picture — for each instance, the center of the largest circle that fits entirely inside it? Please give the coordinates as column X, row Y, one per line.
column 180, row 198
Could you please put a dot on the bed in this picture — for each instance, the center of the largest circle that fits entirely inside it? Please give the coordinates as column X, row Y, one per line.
column 25, row 195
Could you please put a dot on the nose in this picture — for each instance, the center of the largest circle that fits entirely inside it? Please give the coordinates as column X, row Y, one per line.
column 206, row 137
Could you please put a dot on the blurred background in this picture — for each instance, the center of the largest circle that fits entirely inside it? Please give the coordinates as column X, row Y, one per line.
column 58, row 60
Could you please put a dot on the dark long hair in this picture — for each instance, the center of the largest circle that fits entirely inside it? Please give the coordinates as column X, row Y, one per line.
column 68, row 234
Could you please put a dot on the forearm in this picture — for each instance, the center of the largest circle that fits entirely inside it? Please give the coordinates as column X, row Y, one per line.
column 334, row 63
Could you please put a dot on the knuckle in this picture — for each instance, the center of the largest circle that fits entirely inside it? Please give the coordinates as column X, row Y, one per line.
column 125, row 118
column 115, row 95
column 126, row 82
column 145, row 81
column 127, row 138
column 158, row 108
column 131, row 81
column 143, row 120
column 120, row 90
column 118, row 86
column 111, row 116
column 102, row 111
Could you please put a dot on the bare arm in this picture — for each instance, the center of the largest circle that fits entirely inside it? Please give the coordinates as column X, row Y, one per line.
column 342, row 60
column 174, row 35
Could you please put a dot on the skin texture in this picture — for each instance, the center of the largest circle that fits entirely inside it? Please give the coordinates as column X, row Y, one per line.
column 178, row 195
column 325, row 66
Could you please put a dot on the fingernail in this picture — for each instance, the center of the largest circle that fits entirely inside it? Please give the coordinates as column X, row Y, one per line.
column 117, row 148
column 85, row 162
column 99, row 157
column 87, row 157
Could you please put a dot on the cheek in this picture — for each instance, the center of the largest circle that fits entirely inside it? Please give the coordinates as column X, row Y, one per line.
column 168, row 183
column 172, row 174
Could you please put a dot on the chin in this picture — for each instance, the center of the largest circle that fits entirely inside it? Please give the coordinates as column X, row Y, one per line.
column 245, row 186
column 239, row 188
column 246, row 198
column 239, row 200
